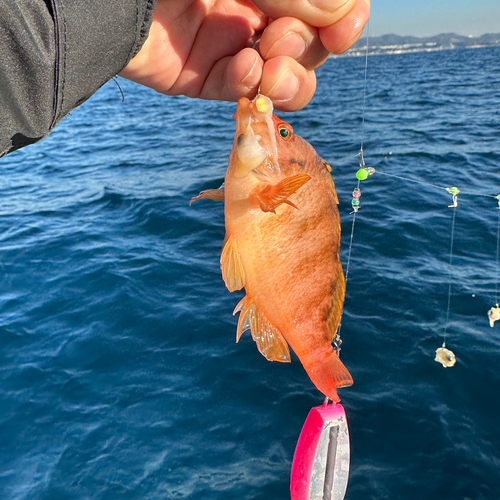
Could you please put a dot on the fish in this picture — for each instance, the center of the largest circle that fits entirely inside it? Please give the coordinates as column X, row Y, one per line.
column 282, row 244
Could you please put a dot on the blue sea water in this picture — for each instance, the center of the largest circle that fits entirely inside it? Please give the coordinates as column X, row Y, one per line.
column 120, row 376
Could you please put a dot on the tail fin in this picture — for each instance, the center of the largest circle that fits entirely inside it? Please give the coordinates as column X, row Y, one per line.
column 328, row 374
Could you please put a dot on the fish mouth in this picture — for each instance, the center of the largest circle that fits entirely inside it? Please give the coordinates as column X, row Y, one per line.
column 255, row 140
column 252, row 112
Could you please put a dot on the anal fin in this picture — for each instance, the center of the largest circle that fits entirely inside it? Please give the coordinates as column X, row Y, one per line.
column 272, row 196
column 270, row 342
column 231, row 266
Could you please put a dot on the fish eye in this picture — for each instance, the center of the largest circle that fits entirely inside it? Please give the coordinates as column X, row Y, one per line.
column 285, row 131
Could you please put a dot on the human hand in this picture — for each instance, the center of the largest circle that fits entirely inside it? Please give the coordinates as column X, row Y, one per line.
column 203, row 48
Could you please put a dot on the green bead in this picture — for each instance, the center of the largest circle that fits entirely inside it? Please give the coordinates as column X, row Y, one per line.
column 362, row 174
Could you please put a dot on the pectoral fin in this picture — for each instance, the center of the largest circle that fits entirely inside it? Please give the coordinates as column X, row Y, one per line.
column 270, row 342
column 272, row 196
column 231, row 266
column 209, row 194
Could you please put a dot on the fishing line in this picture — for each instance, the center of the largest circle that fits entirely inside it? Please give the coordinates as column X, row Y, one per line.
column 497, row 252
column 356, row 194
column 355, row 211
column 494, row 312
column 454, row 191
column 443, row 355
column 364, row 89
column 408, row 179
column 450, row 264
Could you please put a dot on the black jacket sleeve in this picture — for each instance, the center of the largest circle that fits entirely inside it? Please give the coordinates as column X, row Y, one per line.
column 54, row 54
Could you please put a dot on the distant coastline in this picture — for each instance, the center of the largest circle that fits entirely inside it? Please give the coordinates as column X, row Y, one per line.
column 396, row 44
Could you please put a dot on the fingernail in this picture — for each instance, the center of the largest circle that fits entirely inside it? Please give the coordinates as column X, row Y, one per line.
column 285, row 88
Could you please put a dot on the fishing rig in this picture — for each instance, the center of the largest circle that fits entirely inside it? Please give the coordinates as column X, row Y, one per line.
column 443, row 355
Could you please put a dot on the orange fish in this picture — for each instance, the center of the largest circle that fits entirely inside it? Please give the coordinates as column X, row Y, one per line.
column 282, row 244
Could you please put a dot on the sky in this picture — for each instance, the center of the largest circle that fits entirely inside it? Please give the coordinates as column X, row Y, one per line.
column 432, row 17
